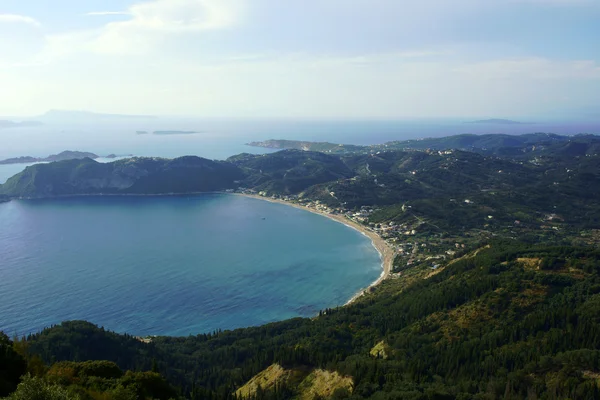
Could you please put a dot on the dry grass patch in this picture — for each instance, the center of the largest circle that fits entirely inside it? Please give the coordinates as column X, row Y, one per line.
column 532, row 295
column 530, row 263
column 469, row 314
column 322, row 384
column 268, row 378
column 380, row 350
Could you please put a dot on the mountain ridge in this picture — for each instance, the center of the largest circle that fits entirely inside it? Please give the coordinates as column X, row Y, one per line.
column 64, row 155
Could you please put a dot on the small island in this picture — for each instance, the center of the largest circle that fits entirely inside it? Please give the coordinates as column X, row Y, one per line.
column 499, row 121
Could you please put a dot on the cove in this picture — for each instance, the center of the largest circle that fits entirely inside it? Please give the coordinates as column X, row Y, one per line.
column 173, row 265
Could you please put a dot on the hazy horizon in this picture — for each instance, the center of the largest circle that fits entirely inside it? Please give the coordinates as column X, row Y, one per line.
column 334, row 59
column 63, row 116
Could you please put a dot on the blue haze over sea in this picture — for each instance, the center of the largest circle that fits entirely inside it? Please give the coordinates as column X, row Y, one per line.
column 182, row 265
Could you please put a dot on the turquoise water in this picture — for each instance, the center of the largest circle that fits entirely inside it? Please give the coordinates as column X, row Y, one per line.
column 173, row 265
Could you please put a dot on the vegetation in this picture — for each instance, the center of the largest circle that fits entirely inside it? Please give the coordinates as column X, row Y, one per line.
column 12, row 366
column 290, row 171
column 495, row 292
column 502, row 145
column 130, row 176
column 509, row 320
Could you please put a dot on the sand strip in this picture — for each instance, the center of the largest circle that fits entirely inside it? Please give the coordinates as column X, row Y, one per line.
column 386, row 252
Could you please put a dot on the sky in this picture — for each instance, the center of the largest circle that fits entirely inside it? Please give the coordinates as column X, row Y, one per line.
column 387, row 59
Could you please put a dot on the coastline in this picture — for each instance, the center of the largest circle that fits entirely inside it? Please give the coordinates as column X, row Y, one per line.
column 386, row 252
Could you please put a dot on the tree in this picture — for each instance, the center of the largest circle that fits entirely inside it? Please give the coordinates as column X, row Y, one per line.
column 33, row 388
column 12, row 366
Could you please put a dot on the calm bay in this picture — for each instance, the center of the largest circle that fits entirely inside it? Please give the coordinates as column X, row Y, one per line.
column 173, row 265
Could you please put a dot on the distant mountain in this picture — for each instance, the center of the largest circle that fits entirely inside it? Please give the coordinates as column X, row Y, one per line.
column 65, row 155
column 499, row 121
column 67, row 115
column 11, row 124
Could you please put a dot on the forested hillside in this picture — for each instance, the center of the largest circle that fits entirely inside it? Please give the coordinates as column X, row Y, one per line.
column 495, row 291
column 507, row 320
column 129, row 176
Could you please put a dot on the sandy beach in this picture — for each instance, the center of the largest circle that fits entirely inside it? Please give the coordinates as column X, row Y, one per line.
column 386, row 252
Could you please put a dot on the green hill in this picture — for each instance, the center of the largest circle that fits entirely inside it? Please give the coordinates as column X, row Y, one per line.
column 290, row 171
column 135, row 175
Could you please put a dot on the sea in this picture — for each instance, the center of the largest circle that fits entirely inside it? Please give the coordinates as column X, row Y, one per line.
column 173, row 265
column 181, row 265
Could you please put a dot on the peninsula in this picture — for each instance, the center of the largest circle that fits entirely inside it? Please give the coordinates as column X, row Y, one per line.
column 490, row 144
column 65, row 155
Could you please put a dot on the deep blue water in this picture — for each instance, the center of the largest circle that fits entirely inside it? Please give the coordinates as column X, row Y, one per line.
column 173, row 265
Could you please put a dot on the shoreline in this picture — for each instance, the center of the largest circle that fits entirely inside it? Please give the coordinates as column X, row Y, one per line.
column 386, row 253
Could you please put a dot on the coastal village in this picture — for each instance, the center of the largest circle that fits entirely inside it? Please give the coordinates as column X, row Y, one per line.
column 409, row 248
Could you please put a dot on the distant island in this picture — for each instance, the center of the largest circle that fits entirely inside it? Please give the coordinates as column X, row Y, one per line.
column 23, row 124
column 499, row 121
column 167, row 132
column 65, row 155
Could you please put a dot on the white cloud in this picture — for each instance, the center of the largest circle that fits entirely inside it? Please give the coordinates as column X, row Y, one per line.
column 379, row 86
column 106, row 13
column 21, row 38
column 332, row 58
column 150, row 21
column 14, row 18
